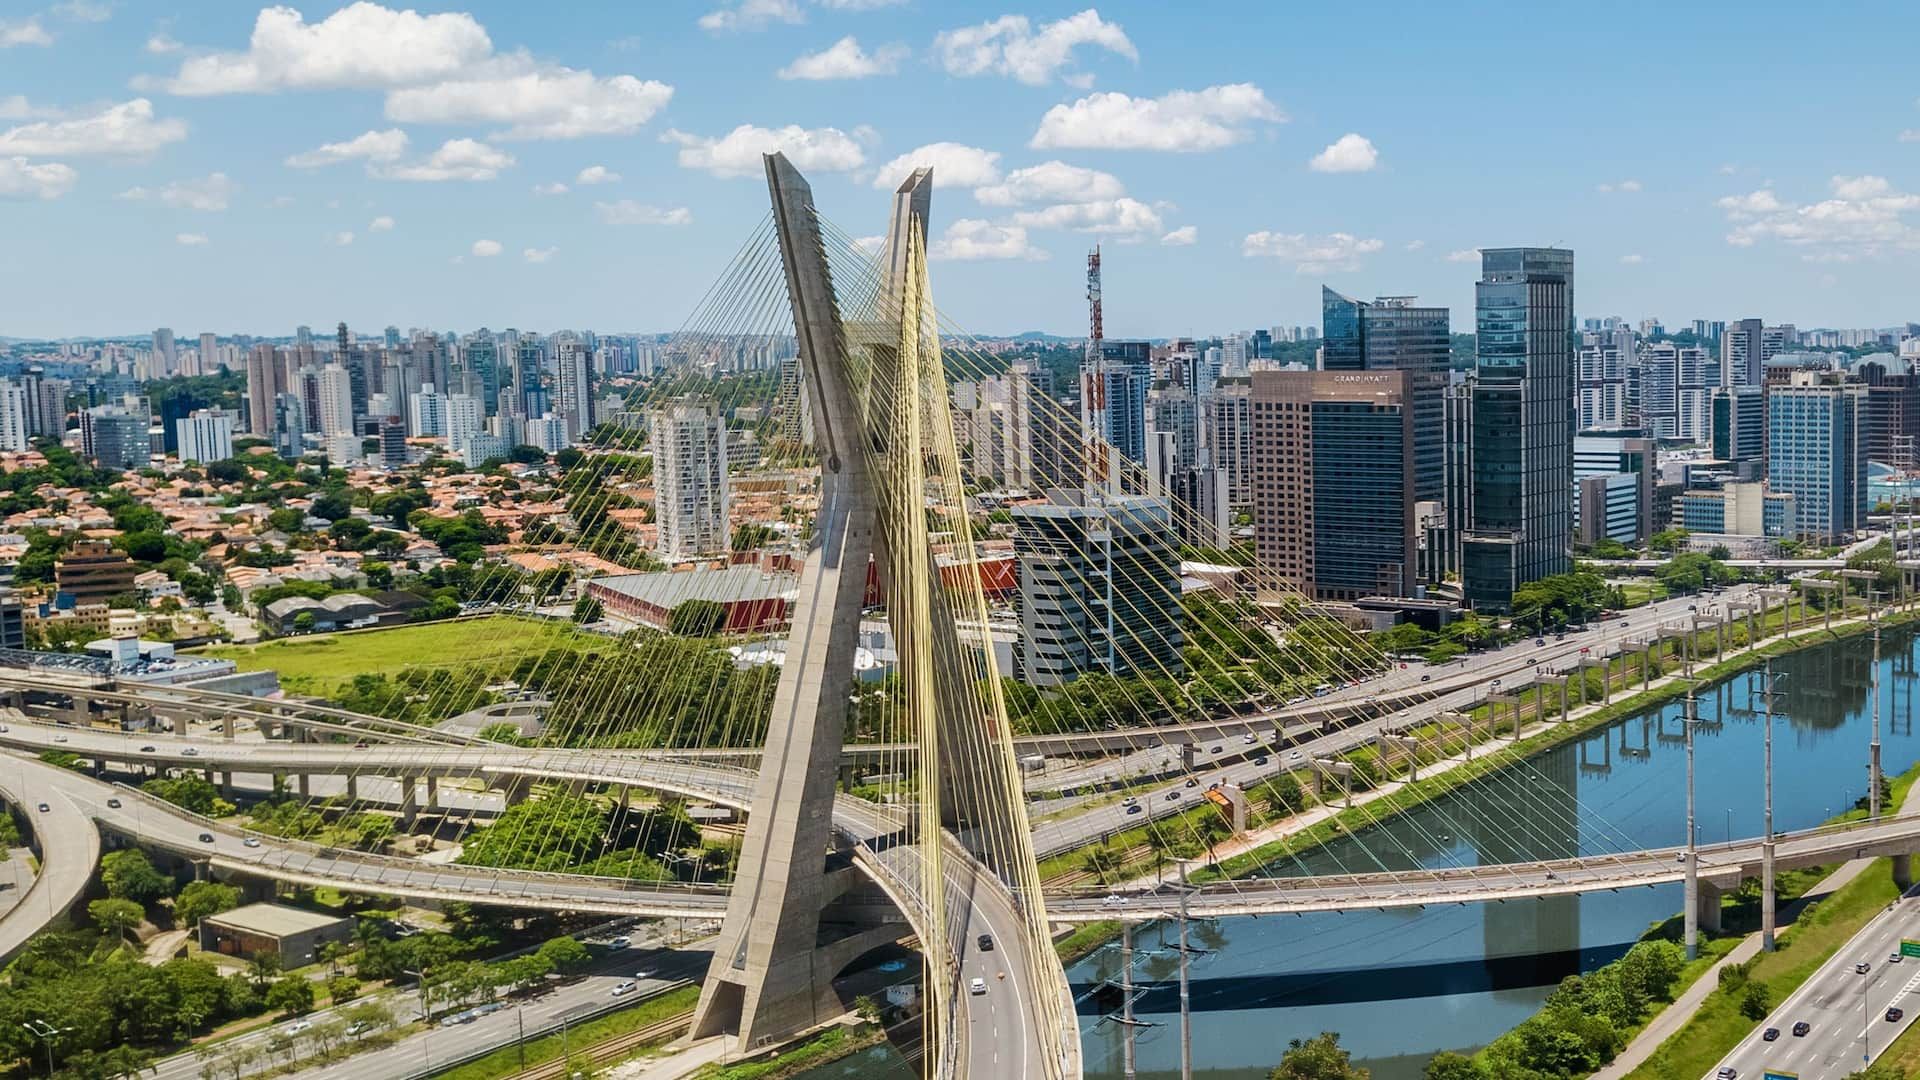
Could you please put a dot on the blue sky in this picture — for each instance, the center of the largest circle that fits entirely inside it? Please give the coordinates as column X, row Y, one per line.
column 216, row 166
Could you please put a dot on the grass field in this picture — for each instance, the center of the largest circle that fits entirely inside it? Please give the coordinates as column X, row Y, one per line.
column 315, row 663
column 506, row 1061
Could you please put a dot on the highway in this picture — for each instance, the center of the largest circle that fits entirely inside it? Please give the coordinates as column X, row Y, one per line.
column 1845, row 1011
column 69, row 849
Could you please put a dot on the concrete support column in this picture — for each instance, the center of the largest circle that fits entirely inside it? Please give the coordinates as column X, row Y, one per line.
column 303, row 785
column 848, row 780
column 514, row 790
column 201, row 869
column 433, row 792
column 1767, row 917
column 1566, row 710
column 1690, row 911
column 179, row 724
column 353, row 787
column 226, row 726
column 1902, row 872
column 82, row 710
column 1707, row 911
column 409, row 794
column 1646, row 668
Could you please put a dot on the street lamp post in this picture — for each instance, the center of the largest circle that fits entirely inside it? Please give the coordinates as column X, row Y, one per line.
column 1766, row 841
column 47, row 1034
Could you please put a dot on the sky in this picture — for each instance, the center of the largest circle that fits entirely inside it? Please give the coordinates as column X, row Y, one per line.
column 218, row 165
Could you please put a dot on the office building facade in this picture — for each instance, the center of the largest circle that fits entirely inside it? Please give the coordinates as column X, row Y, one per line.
column 1099, row 589
column 1392, row 333
column 1817, row 453
column 205, row 435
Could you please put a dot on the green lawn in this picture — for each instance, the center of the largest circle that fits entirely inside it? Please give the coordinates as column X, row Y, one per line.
column 1639, row 593
column 316, row 663
column 506, row 1061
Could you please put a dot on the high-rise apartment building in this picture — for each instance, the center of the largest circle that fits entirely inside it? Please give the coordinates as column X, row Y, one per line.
column 466, row 418
column 166, row 354
column 1605, row 359
column 689, row 442
column 393, row 440
column 1334, row 479
column 1113, row 404
column 1817, row 453
column 547, row 431
column 333, row 394
column 1393, row 333
column 1739, row 428
column 208, row 358
column 530, row 390
column 14, row 425
column 573, row 388
column 1099, row 589
column 1745, row 348
column 427, row 414
column 205, row 435
column 1676, row 382
column 266, row 381
column 1521, row 526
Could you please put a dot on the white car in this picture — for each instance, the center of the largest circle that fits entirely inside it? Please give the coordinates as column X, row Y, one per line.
column 1114, row 900
column 251, row 841
column 620, row 943
column 977, row 987
column 622, row 989
column 191, row 751
column 298, row 1026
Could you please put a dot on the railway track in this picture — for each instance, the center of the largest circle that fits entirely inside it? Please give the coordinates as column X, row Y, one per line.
column 609, row 1050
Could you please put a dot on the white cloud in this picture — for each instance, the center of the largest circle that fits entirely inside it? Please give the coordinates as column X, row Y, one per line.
column 1624, row 186
column 383, row 223
column 1464, row 255
column 190, row 239
column 162, row 43
column 210, row 194
column 555, row 188
column 21, row 179
column 1009, row 46
column 858, row 5
column 751, row 15
column 1632, row 260
column 17, row 107
column 971, row 239
column 534, row 102
column 628, row 212
column 342, row 239
column 457, row 159
column 1909, row 135
column 1182, row 236
column 485, row 249
column 24, row 32
column 126, row 130
column 870, row 244
column 1416, row 245
column 387, row 145
column 596, row 174
column 1310, row 254
column 1864, row 217
column 1123, row 217
column 1348, row 153
column 1050, row 182
column 1728, row 169
column 539, row 255
column 83, row 11
column 1184, row 120
column 737, row 153
column 845, row 59
column 361, row 46
column 954, row 165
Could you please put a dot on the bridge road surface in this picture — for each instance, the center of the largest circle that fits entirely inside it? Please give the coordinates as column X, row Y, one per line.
column 69, row 848
column 1838, row 1003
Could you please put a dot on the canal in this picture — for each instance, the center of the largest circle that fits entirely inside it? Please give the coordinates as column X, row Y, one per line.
column 1401, row 986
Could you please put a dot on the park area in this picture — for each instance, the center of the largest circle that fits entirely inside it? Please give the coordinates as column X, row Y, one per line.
column 322, row 664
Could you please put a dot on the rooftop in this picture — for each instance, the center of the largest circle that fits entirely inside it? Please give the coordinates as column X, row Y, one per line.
column 725, row 585
column 274, row 919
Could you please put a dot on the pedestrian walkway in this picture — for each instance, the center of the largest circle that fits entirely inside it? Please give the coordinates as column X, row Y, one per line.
column 681, row 1060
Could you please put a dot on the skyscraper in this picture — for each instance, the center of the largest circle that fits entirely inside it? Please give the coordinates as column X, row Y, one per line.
column 14, row 413
column 266, row 381
column 1334, row 471
column 427, row 414
column 573, row 388
column 529, row 389
column 1393, row 334
column 1604, row 361
column 205, row 435
column 1099, row 589
column 690, row 478
column 1817, row 453
column 208, row 358
column 333, row 391
column 1523, row 406
column 114, row 437
column 1113, row 404
column 465, row 419
column 1744, row 353
column 166, row 355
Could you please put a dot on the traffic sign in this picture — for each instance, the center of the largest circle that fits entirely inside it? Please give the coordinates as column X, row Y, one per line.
column 1775, row 1074
column 1909, row 947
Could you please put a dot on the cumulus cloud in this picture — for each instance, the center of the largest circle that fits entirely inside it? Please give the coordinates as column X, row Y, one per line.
column 1051, row 182
column 209, row 194
column 1182, row 236
column 1863, row 217
column 751, row 15
column 1625, row 186
column 737, row 153
column 971, row 239
column 438, row 68
column 555, row 188
column 457, row 159
column 23, row 32
column 596, row 174
column 1632, row 260
column 21, row 179
column 954, row 165
column 629, row 212
column 163, row 44
column 387, row 145
column 1348, row 153
column 190, row 239
column 1184, row 120
column 1124, row 218
column 1310, row 254
column 1464, row 255
column 845, row 59
column 485, row 249
column 17, row 107
column 342, row 239
column 383, row 223
column 126, row 130
column 1010, row 46
column 539, row 255
column 1416, row 245
column 83, row 11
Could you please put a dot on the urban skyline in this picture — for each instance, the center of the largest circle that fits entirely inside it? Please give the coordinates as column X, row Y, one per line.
column 1241, row 182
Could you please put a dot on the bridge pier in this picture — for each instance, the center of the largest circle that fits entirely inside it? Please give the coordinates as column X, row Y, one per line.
column 302, row 784
column 514, row 790
column 433, row 792
column 1707, row 908
column 409, row 793
column 1902, row 871
column 179, row 723
column 353, row 787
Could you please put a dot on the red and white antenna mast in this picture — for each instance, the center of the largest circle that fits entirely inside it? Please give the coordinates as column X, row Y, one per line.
column 1095, row 330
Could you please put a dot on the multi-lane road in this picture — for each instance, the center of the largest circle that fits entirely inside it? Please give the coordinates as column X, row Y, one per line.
column 1845, row 1010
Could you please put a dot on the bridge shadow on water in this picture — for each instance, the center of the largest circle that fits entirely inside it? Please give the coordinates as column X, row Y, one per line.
column 1301, row 988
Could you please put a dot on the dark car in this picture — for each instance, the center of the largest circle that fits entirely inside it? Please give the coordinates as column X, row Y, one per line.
column 1134, row 808
column 1174, row 795
column 206, row 838
column 146, row 749
column 44, row 808
column 1261, row 760
column 1894, row 1015
column 1770, row 1034
column 1800, row 1029
column 985, row 942
column 1192, row 782
column 113, row 803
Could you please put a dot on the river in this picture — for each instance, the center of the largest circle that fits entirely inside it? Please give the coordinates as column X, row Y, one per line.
column 1401, row 986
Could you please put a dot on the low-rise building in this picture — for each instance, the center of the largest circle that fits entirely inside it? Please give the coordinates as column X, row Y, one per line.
column 294, row 935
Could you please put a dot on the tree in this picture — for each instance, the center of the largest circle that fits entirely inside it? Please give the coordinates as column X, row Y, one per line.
column 1667, row 540
column 303, row 622
column 588, row 609
column 1756, row 1001
column 129, row 875
column 200, row 899
column 291, row 995
column 1318, row 1058
column 116, row 917
column 1448, row 1065
column 379, row 574
column 566, row 954
column 261, row 969
column 343, row 988
column 697, row 618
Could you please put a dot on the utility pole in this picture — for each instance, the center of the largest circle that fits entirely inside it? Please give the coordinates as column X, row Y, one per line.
column 1873, row 748
column 1186, row 1016
column 1692, row 893
column 1766, row 842
column 1126, row 1000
